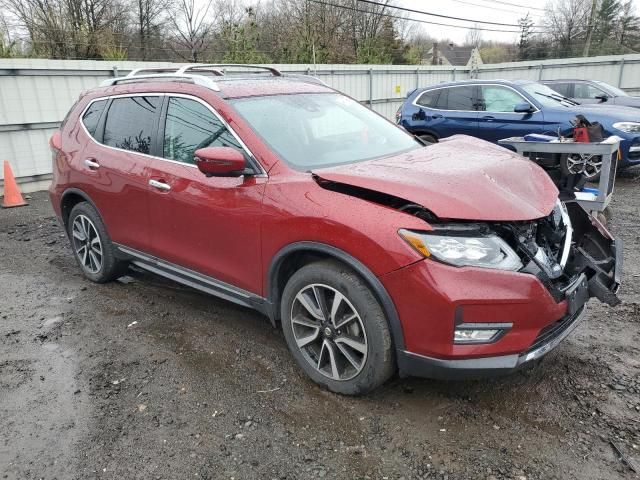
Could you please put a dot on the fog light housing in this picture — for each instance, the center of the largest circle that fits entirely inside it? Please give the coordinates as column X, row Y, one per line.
column 470, row 333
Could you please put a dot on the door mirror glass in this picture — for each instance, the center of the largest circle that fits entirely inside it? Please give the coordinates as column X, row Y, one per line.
column 220, row 162
column 523, row 108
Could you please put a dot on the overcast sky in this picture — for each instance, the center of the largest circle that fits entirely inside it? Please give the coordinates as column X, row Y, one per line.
column 486, row 10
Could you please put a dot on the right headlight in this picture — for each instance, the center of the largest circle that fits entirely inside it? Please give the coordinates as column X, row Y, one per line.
column 627, row 127
column 464, row 251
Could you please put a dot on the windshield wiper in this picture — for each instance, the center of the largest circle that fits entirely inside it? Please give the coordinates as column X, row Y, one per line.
column 558, row 98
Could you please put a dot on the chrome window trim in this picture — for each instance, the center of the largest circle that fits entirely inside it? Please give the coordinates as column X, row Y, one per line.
column 246, row 149
column 474, row 111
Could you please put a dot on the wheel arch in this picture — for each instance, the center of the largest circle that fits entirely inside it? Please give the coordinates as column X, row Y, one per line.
column 70, row 198
column 295, row 255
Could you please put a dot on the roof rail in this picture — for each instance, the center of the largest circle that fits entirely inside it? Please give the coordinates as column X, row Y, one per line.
column 196, row 66
column 196, row 79
column 138, row 71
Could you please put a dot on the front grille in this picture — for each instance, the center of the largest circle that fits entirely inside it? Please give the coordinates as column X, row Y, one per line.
column 554, row 330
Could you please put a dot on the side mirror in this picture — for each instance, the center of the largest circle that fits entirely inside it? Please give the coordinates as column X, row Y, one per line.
column 523, row 108
column 220, row 162
column 602, row 98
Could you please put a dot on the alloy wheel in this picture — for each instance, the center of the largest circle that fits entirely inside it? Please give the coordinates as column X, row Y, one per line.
column 587, row 164
column 329, row 332
column 87, row 244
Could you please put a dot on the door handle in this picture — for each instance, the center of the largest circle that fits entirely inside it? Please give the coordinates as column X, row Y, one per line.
column 91, row 163
column 488, row 118
column 160, row 185
column 436, row 116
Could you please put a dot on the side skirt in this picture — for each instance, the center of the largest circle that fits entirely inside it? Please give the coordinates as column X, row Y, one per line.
column 195, row 280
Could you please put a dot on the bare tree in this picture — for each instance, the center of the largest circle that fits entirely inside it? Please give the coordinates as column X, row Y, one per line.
column 473, row 37
column 191, row 28
column 66, row 28
column 566, row 22
column 149, row 18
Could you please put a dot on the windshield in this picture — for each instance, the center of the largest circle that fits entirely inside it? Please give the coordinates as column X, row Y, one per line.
column 611, row 89
column 320, row 129
column 546, row 96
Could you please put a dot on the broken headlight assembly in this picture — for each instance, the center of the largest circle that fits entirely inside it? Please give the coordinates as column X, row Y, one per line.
column 464, row 248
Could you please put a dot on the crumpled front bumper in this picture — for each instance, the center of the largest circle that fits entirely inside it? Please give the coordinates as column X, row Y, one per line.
column 435, row 298
column 412, row 364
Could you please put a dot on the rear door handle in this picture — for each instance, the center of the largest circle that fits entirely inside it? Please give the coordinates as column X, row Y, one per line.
column 91, row 163
column 160, row 185
column 488, row 118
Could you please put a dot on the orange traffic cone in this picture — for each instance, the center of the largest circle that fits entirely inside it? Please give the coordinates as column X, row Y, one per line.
column 12, row 195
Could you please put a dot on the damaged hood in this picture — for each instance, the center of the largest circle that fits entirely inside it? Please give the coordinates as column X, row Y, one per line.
column 460, row 177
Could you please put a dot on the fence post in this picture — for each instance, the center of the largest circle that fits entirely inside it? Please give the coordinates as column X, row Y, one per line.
column 453, row 74
column 620, row 73
column 115, row 71
column 417, row 78
column 370, row 87
column 540, row 68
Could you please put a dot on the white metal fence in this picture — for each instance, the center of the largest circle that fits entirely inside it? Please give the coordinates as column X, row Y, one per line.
column 36, row 94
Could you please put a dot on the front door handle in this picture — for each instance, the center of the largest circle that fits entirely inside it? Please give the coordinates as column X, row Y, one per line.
column 91, row 163
column 435, row 116
column 160, row 185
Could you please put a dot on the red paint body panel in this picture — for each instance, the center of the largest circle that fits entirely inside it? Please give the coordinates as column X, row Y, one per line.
column 192, row 224
column 459, row 178
column 427, row 294
column 250, row 88
column 297, row 209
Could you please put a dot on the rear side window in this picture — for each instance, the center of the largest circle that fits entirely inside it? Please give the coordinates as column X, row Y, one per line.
column 429, row 99
column 190, row 126
column 457, row 98
column 131, row 123
column 92, row 115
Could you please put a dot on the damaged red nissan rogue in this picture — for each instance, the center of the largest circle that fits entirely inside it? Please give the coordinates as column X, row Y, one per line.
column 374, row 253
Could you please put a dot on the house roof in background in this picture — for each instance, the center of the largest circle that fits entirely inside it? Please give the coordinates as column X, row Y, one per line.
column 458, row 56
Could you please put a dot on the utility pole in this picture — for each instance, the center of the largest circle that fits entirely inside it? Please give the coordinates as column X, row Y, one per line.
column 592, row 19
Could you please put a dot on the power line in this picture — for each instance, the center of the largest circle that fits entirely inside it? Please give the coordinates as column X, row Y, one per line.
column 511, row 4
column 389, row 15
column 492, row 7
column 422, row 12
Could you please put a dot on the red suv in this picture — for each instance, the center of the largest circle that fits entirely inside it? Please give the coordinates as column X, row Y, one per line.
column 375, row 253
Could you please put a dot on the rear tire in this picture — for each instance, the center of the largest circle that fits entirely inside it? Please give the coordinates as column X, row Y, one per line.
column 336, row 329
column 92, row 246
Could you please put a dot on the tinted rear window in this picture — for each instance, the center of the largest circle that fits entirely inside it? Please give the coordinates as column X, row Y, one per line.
column 457, row 98
column 428, row 99
column 131, row 123
column 91, row 117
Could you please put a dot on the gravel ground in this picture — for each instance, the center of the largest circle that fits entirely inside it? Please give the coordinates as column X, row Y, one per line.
column 142, row 378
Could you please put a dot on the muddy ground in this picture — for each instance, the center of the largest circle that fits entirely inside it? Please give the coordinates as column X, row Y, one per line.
column 201, row 388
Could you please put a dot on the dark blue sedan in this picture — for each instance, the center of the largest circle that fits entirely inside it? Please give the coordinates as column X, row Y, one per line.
column 497, row 109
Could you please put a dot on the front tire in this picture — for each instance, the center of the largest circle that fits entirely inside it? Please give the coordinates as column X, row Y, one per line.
column 92, row 246
column 336, row 329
